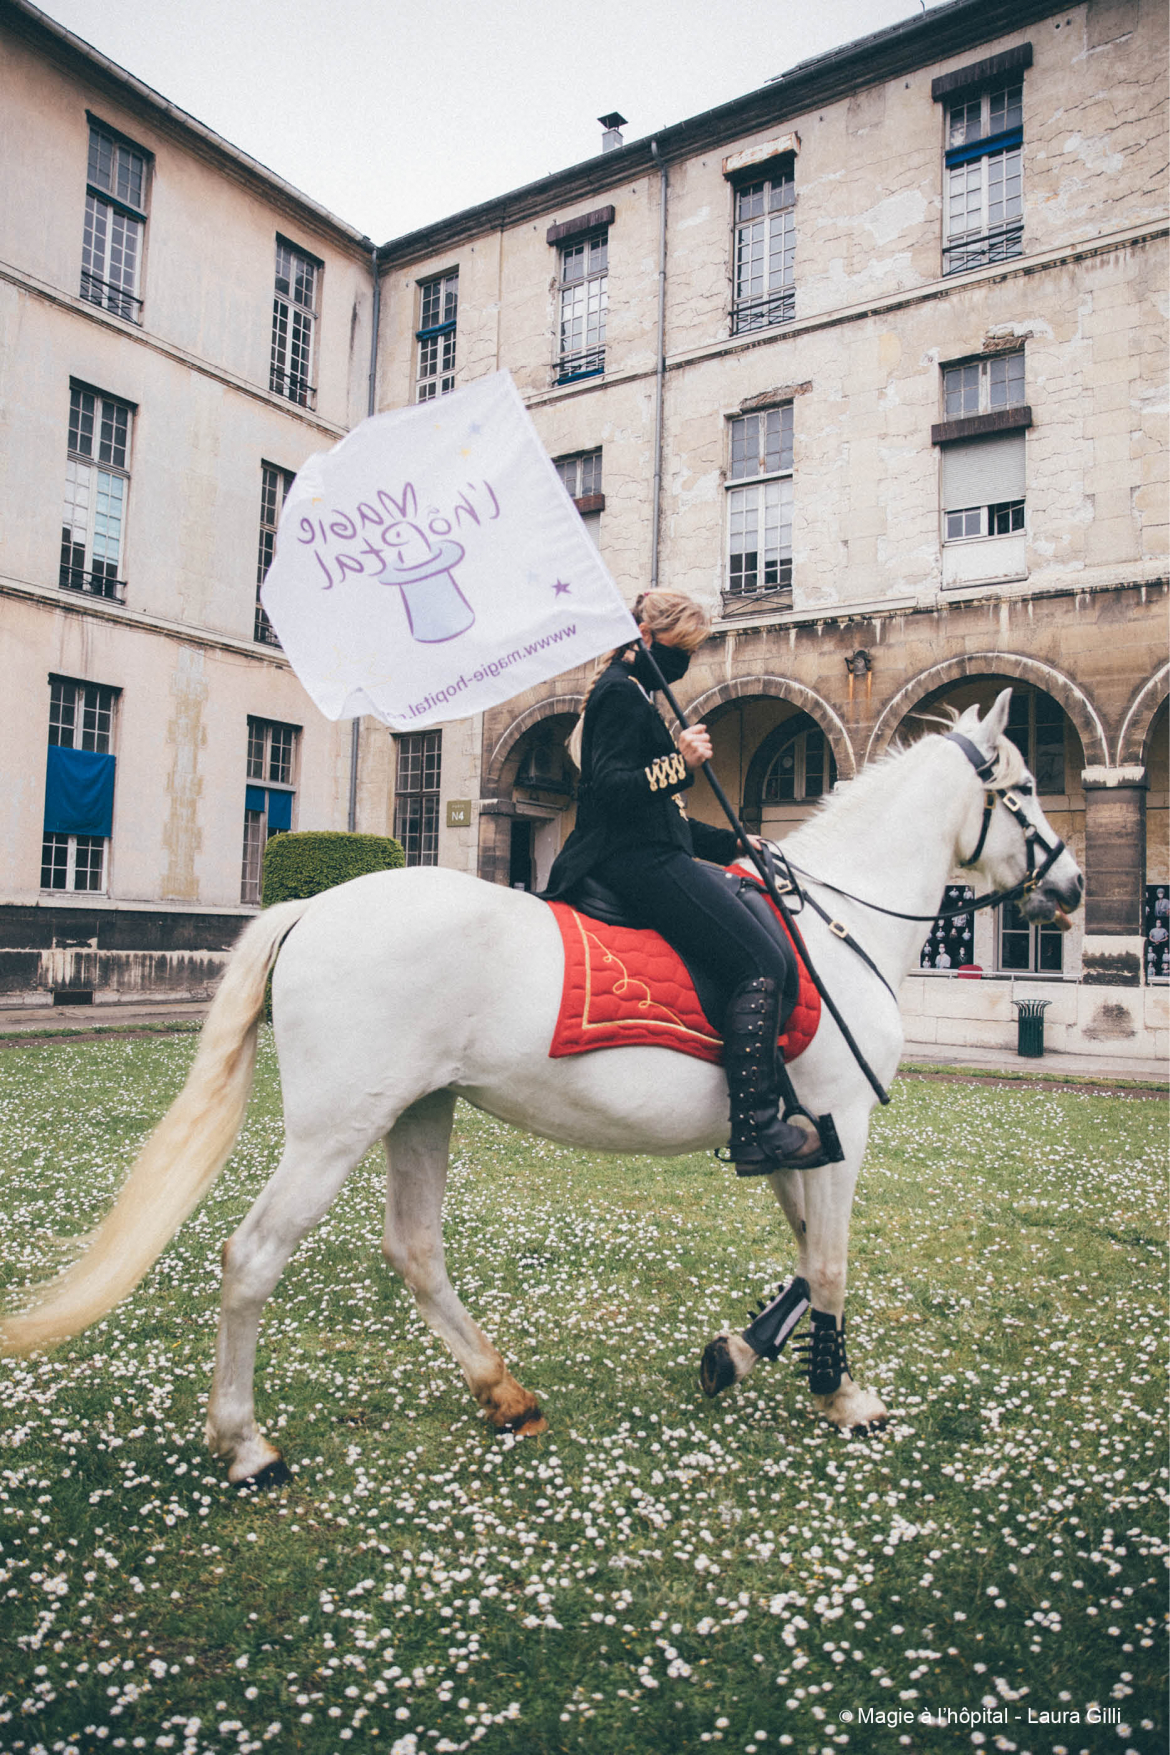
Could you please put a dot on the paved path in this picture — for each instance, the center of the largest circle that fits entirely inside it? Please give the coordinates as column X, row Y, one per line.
column 71, row 1023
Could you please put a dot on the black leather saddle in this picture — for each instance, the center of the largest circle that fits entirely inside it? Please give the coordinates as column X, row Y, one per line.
column 599, row 902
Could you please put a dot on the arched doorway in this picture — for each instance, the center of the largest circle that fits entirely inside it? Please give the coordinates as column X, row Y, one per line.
column 540, row 782
column 777, row 751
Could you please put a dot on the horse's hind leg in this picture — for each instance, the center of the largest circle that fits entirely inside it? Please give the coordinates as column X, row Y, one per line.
column 417, row 1149
column 296, row 1198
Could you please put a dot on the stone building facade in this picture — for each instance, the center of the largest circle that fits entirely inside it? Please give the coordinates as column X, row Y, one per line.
column 872, row 362
column 179, row 330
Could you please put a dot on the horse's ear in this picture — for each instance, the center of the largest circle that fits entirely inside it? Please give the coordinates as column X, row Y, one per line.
column 993, row 725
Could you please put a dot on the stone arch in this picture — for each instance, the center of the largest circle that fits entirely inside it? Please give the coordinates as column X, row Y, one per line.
column 970, row 667
column 765, row 755
column 797, row 695
column 1139, row 716
column 555, row 706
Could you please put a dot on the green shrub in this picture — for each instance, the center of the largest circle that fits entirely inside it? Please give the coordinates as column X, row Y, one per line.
column 303, row 865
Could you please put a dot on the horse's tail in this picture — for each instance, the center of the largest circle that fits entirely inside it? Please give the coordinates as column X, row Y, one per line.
column 179, row 1161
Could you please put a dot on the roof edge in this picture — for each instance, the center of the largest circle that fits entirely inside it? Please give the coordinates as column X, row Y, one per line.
column 925, row 38
column 29, row 21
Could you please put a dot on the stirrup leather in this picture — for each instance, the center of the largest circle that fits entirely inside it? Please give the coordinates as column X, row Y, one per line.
column 767, row 1117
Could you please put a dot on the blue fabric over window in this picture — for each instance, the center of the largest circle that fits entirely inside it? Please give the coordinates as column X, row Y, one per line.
column 254, row 798
column 279, row 811
column 1004, row 142
column 79, row 792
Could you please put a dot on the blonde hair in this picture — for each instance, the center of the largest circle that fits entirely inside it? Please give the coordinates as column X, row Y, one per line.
column 672, row 613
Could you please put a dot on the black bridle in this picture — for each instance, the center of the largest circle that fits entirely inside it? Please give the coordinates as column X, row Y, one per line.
column 1010, row 798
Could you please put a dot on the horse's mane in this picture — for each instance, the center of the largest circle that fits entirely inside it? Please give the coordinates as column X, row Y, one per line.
column 862, row 797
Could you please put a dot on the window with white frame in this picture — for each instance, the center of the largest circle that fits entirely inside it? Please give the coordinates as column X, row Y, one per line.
column 274, row 486
column 584, row 298
column 765, row 252
column 268, row 796
column 416, row 795
column 759, row 513
column 115, row 223
column 581, row 476
column 294, row 314
column 983, row 386
column 97, row 483
column 79, row 785
column 803, row 768
column 984, row 178
column 438, row 316
column 1028, row 947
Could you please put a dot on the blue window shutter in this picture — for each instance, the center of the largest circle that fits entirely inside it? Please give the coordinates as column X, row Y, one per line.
column 279, row 811
column 79, row 792
column 254, row 798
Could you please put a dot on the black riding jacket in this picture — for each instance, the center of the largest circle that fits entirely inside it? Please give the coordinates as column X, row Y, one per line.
column 632, row 782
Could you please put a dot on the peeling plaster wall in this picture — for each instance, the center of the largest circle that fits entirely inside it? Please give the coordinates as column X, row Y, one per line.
column 866, row 476
column 199, row 212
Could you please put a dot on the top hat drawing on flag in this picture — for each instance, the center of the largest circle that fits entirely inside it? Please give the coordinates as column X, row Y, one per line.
column 436, row 608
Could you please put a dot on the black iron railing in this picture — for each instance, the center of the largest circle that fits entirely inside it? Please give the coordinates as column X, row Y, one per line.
column 764, row 312
column 110, row 297
column 93, row 584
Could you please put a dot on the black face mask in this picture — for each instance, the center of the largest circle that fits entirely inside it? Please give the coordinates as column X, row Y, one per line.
column 672, row 661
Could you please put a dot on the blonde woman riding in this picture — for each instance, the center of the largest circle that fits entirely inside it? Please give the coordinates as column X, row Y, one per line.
column 633, row 836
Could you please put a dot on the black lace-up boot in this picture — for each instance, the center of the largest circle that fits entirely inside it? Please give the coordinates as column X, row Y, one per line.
column 762, row 1139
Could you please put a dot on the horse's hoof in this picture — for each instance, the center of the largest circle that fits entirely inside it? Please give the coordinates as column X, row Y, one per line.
column 526, row 1424
column 273, row 1474
column 716, row 1367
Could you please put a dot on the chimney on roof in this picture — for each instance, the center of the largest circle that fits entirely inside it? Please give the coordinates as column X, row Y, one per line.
column 613, row 125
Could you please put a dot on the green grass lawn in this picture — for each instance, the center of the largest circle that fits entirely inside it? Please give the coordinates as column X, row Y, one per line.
column 657, row 1572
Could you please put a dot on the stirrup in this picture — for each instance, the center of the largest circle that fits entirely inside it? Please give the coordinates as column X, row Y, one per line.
column 828, row 1151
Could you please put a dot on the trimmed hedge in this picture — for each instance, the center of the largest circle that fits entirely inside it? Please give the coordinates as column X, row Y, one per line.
column 304, row 864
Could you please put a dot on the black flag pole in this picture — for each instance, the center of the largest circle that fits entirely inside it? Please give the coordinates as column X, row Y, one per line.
column 768, row 880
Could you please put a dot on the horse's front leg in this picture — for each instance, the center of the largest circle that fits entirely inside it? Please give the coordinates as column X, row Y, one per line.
column 828, row 1201
column 417, row 1149
column 730, row 1356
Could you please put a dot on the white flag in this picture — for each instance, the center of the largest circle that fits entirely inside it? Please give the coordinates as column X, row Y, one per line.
column 432, row 565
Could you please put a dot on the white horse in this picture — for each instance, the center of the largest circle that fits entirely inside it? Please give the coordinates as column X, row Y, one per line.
column 399, row 992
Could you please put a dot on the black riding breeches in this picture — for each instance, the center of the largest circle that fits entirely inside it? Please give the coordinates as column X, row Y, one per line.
column 696, row 911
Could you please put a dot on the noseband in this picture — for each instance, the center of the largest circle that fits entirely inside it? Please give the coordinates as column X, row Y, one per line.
column 985, row 766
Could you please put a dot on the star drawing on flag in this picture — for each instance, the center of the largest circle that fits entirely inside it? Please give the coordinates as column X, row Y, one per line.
column 561, row 587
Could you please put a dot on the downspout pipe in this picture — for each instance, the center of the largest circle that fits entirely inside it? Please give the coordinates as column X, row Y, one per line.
column 660, row 373
column 355, row 731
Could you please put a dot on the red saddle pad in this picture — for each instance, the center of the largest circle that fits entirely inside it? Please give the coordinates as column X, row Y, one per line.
column 627, row 988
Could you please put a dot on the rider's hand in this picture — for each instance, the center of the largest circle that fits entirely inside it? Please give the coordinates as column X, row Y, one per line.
column 694, row 746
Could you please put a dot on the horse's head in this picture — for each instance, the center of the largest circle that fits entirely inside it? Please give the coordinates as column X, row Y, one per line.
column 1006, row 835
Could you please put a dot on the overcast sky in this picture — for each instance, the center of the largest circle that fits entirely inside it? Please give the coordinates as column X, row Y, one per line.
column 393, row 115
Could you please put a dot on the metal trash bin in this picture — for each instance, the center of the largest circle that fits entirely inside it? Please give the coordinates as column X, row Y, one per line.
column 1030, row 1027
